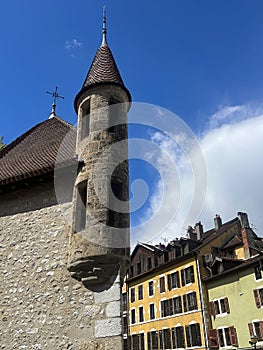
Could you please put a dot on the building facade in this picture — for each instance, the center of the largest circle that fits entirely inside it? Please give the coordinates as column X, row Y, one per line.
column 170, row 288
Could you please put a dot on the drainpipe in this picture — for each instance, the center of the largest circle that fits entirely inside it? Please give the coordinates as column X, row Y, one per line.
column 202, row 303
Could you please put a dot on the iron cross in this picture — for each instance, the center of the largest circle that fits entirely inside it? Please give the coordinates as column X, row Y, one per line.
column 55, row 97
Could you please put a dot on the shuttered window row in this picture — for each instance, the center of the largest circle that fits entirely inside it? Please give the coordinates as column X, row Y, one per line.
column 174, row 338
column 222, row 337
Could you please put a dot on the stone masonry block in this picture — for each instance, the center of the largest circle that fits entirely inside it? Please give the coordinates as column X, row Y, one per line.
column 108, row 328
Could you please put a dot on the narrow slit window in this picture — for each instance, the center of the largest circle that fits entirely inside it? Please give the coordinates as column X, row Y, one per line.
column 81, row 204
column 85, row 121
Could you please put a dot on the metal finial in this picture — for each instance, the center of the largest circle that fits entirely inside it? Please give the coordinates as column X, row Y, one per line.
column 55, row 97
column 104, row 29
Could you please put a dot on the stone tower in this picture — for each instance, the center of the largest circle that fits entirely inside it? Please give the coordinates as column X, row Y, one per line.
column 99, row 238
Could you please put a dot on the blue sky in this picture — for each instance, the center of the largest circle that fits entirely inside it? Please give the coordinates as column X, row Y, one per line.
column 202, row 60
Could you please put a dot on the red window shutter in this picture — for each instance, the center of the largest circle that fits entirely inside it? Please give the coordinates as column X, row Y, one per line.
column 233, row 336
column 251, row 329
column 261, row 330
column 169, row 282
column 213, row 339
column 257, row 298
column 227, row 305
column 211, row 308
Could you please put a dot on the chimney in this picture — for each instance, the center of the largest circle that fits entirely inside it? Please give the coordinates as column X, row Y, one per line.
column 199, row 231
column 191, row 233
column 243, row 218
column 217, row 221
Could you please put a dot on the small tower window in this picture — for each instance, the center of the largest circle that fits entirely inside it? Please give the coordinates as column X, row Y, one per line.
column 85, row 120
column 81, row 203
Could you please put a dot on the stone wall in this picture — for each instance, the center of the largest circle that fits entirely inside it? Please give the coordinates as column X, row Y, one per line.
column 41, row 306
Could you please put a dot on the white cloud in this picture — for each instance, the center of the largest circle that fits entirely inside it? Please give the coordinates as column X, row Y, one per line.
column 72, row 44
column 233, row 147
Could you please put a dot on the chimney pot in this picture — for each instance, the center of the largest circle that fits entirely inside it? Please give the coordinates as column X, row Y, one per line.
column 217, row 221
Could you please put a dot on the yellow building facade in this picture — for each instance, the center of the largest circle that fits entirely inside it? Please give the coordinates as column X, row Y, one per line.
column 165, row 307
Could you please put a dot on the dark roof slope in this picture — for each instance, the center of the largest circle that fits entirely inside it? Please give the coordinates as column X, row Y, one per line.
column 103, row 69
column 34, row 153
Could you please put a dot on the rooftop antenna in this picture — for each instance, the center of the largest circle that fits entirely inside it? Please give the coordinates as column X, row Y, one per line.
column 55, row 97
column 104, row 29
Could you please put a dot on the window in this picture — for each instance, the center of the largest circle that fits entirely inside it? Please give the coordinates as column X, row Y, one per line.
column 81, row 203
column 141, row 314
column 137, row 341
column 152, row 311
column 162, row 284
column 178, row 337
column 258, row 273
column 256, row 328
column 149, row 263
column 173, row 280
column 140, row 292
column 124, row 301
column 193, row 335
column 187, row 275
column 177, row 305
column 150, row 288
column 132, row 316
column 258, row 295
column 166, row 256
column 190, row 301
column 85, row 121
column 219, row 307
column 166, row 308
column 152, row 340
column 132, row 295
column 165, row 339
column 223, row 337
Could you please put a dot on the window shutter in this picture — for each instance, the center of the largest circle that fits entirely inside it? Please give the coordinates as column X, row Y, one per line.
column 211, row 308
column 251, row 329
column 183, row 277
column 227, row 305
column 188, row 339
column 173, row 339
column 149, row 343
column 233, row 336
column 192, row 276
column 160, row 340
column 257, row 298
column 180, row 340
column 213, row 339
column 261, row 330
column 177, row 279
column 169, row 282
column 195, row 300
column 185, row 303
column 198, row 335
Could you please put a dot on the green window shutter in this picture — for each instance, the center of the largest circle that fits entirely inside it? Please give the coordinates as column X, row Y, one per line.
column 169, row 284
column 211, row 308
column 251, row 329
column 188, row 337
column 261, row 330
column 183, row 277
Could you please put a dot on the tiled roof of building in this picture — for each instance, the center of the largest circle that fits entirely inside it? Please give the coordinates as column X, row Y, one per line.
column 103, row 69
column 35, row 152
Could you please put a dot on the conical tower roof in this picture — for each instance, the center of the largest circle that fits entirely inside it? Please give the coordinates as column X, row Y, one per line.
column 103, row 69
